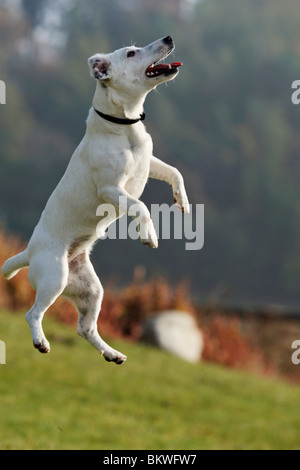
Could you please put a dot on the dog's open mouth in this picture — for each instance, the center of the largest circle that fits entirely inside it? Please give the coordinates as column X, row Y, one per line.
column 162, row 69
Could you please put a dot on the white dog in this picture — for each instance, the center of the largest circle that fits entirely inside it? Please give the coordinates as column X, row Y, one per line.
column 113, row 159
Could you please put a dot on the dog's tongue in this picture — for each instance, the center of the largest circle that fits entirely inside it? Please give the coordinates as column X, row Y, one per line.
column 160, row 67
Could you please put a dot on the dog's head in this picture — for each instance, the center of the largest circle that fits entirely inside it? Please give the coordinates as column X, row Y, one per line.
column 133, row 69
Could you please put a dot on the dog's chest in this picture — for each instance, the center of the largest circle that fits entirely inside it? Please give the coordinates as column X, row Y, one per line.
column 139, row 142
column 140, row 148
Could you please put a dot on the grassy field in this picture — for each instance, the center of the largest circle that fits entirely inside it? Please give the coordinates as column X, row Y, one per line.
column 72, row 399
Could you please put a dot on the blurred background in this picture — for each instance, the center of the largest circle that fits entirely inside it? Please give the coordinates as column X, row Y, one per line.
column 227, row 122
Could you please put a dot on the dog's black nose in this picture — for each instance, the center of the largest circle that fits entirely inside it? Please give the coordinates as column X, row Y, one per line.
column 168, row 40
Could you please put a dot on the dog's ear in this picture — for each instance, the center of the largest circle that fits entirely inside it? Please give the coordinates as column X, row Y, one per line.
column 99, row 66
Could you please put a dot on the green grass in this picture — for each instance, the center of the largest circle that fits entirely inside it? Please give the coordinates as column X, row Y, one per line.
column 73, row 399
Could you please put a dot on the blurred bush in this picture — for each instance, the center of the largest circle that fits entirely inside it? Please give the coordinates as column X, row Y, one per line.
column 17, row 293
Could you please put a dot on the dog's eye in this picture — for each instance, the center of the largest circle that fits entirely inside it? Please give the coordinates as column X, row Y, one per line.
column 130, row 53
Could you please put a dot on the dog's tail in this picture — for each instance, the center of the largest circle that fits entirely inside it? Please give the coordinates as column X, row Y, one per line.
column 13, row 265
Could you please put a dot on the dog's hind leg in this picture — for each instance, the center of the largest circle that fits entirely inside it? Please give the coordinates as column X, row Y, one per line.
column 85, row 291
column 48, row 274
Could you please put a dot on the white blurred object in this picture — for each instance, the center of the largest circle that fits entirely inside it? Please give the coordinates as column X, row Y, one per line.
column 175, row 331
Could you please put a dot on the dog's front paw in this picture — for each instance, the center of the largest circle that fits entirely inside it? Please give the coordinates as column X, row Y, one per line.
column 181, row 200
column 179, row 194
column 148, row 235
column 150, row 243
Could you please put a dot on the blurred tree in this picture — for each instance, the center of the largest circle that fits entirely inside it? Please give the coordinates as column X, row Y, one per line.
column 34, row 10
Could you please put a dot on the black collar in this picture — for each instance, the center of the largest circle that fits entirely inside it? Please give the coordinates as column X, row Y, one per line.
column 118, row 120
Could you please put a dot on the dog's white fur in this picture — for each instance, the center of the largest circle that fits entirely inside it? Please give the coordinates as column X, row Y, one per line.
column 112, row 160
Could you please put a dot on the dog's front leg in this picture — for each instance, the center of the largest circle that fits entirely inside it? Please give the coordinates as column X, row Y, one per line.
column 124, row 203
column 162, row 171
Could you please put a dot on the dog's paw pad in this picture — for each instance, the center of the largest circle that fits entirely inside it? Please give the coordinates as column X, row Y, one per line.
column 120, row 360
column 42, row 348
column 116, row 359
column 150, row 243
